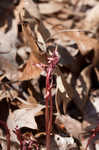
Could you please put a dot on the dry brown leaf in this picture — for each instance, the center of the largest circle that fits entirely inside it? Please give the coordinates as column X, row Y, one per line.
column 30, row 13
column 97, row 72
column 32, row 8
column 50, row 8
column 31, row 41
column 61, row 97
column 31, row 71
column 91, row 118
column 83, row 83
column 70, row 91
column 40, row 40
column 53, row 21
column 28, row 6
column 67, row 60
column 92, row 110
column 85, row 43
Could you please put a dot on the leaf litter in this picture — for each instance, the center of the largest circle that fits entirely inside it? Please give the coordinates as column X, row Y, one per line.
column 30, row 31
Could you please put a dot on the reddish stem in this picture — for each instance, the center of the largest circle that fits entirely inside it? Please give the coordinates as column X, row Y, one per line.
column 49, row 110
column 19, row 137
column 92, row 136
column 49, row 68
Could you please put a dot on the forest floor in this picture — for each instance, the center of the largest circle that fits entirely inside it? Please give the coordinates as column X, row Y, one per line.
column 49, row 74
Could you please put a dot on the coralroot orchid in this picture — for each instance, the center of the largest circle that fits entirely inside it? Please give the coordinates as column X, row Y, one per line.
column 49, row 68
column 48, row 114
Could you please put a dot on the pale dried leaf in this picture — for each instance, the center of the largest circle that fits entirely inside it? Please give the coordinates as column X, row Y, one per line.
column 9, row 40
column 9, row 69
column 50, row 8
column 63, row 142
column 91, row 21
column 24, row 117
column 32, row 8
column 70, row 125
column 97, row 72
column 40, row 40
